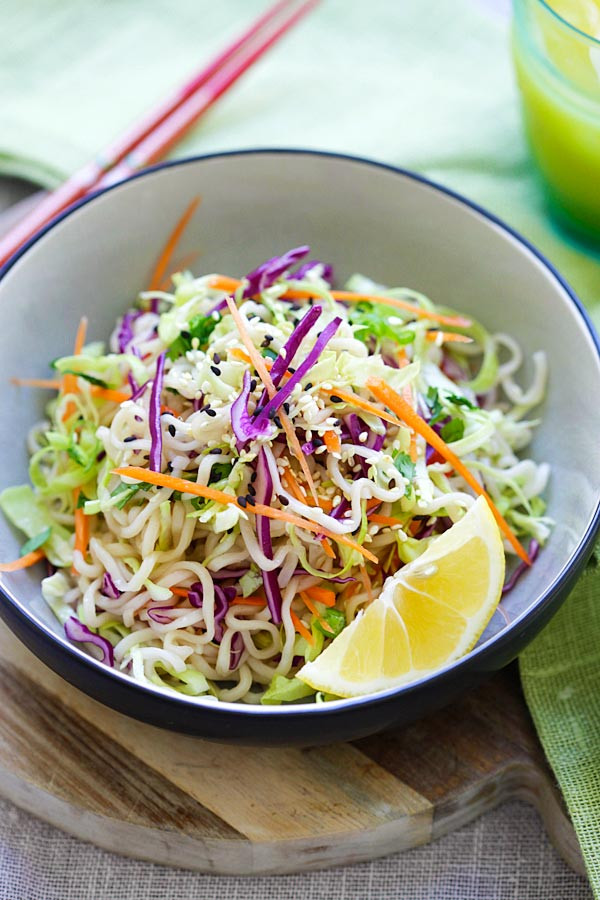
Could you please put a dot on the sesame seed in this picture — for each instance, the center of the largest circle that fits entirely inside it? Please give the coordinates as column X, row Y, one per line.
column 283, row 500
column 335, row 399
column 318, row 442
column 283, row 353
column 308, row 386
column 286, row 407
column 172, row 430
column 253, row 477
column 320, row 449
column 210, row 412
column 252, row 490
column 132, row 437
column 277, row 421
column 242, row 502
column 258, row 410
column 216, row 359
column 216, row 451
column 291, row 370
column 186, row 335
column 215, row 369
column 363, row 436
column 253, row 384
column 250, row 500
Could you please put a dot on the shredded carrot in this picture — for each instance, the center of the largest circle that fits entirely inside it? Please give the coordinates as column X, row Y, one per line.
column 414, row 527
column 255, row 357
column 179, row 592
column 327, row 548
column 332, row 442
column 50, row 383
column 325, row 504
column 199, row 490
column 69, row 382
column 301, row 628
column 224, row 283
column 402, row 358
column 293, row 486
column 248, row 601
column 30, row 559
column 447, row 337
column 355, row 400
column 313, row 609
column 367, row 582
column 240, row 355
column 82, row 529
column 167, row 409
column 384, row 520
column 109, row 394
column 174, row 237
column 321, row 595
column 395, row 402
column 179, row 266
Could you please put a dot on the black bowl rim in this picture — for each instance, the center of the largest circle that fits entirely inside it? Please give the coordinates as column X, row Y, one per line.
column 495, row 644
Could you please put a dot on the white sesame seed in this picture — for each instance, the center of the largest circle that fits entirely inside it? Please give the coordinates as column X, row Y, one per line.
column 321, row 449
column 363, row 436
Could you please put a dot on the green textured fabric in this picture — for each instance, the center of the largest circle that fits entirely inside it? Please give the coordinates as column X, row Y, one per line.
column 425, row 84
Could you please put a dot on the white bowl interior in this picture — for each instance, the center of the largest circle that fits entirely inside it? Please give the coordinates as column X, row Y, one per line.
column 357, row 216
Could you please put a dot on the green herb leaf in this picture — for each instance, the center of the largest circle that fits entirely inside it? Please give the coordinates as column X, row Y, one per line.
column 460, row 401
column 433, row 401
column 334, row 618
column 128, row 491
column 405, row 465
column 371, row 321
column 220, row 471
column 453, row 430
column 81, row 500
column 200, row 327
column 268, row 353
column 36, row 542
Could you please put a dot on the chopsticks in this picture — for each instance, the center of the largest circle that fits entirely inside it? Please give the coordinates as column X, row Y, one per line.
column 154, row 134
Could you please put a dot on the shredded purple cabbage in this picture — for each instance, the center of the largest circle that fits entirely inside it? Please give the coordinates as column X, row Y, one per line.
column 264, row 493
column 157, row 614
column 155, row 463
column 139, row 391
column 268, row 272
column 304, row 269
column 534, row 549
column 109, row 588
column 244, row 428
column 312, row 357
column 125, row 333
column 355, row 428
column 223, row 597
column 290, row 348
column 236, row 650
column 81, row 634
column 222, row 574
column 308, row 448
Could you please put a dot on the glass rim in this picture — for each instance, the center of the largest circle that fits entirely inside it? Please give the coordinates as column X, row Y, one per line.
column 569, row 25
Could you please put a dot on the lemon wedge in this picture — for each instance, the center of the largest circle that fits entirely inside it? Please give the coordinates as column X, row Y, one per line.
column 428, row 614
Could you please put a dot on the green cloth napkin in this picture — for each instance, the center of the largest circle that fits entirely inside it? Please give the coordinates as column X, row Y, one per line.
column 425, row 84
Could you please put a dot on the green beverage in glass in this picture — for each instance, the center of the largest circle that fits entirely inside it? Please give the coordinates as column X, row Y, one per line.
column 557, row 56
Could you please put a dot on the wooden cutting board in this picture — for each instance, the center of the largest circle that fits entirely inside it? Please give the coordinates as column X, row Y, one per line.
column 151, row 794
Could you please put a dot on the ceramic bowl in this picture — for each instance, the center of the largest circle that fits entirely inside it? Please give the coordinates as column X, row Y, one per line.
column 361, row 216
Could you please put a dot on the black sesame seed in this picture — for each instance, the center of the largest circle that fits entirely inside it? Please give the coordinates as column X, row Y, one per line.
column 277, row 421
column 269, row 338
column 258, row 410
column 272, row 413
column 250, row 500
column 230, row 531
column 130, row 438
column 186, row 335
column 335, row 399
column 252, row 490
column 216, row 450
column 283, row 500
column 253, row 384
column 210, row 412
column 317, row 442
column 172, row 430
column 215, row 369
column 286, row 407
column 253, row 477
column 308, row 386
column 291, row 369
column 242, row 502
column 216, row 358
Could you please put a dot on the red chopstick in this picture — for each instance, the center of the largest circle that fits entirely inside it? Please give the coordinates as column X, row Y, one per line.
column 160, row 141
column 232, row 62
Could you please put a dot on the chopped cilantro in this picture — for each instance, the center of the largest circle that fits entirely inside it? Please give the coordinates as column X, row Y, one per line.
column 335, row 622
column 220, row 471
column 371, row 321
column 460, row 401
column 200, row 327
column 128, row 491
column 453, row 430
column 433, row 401
column 268, row 353
column 91, row 378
